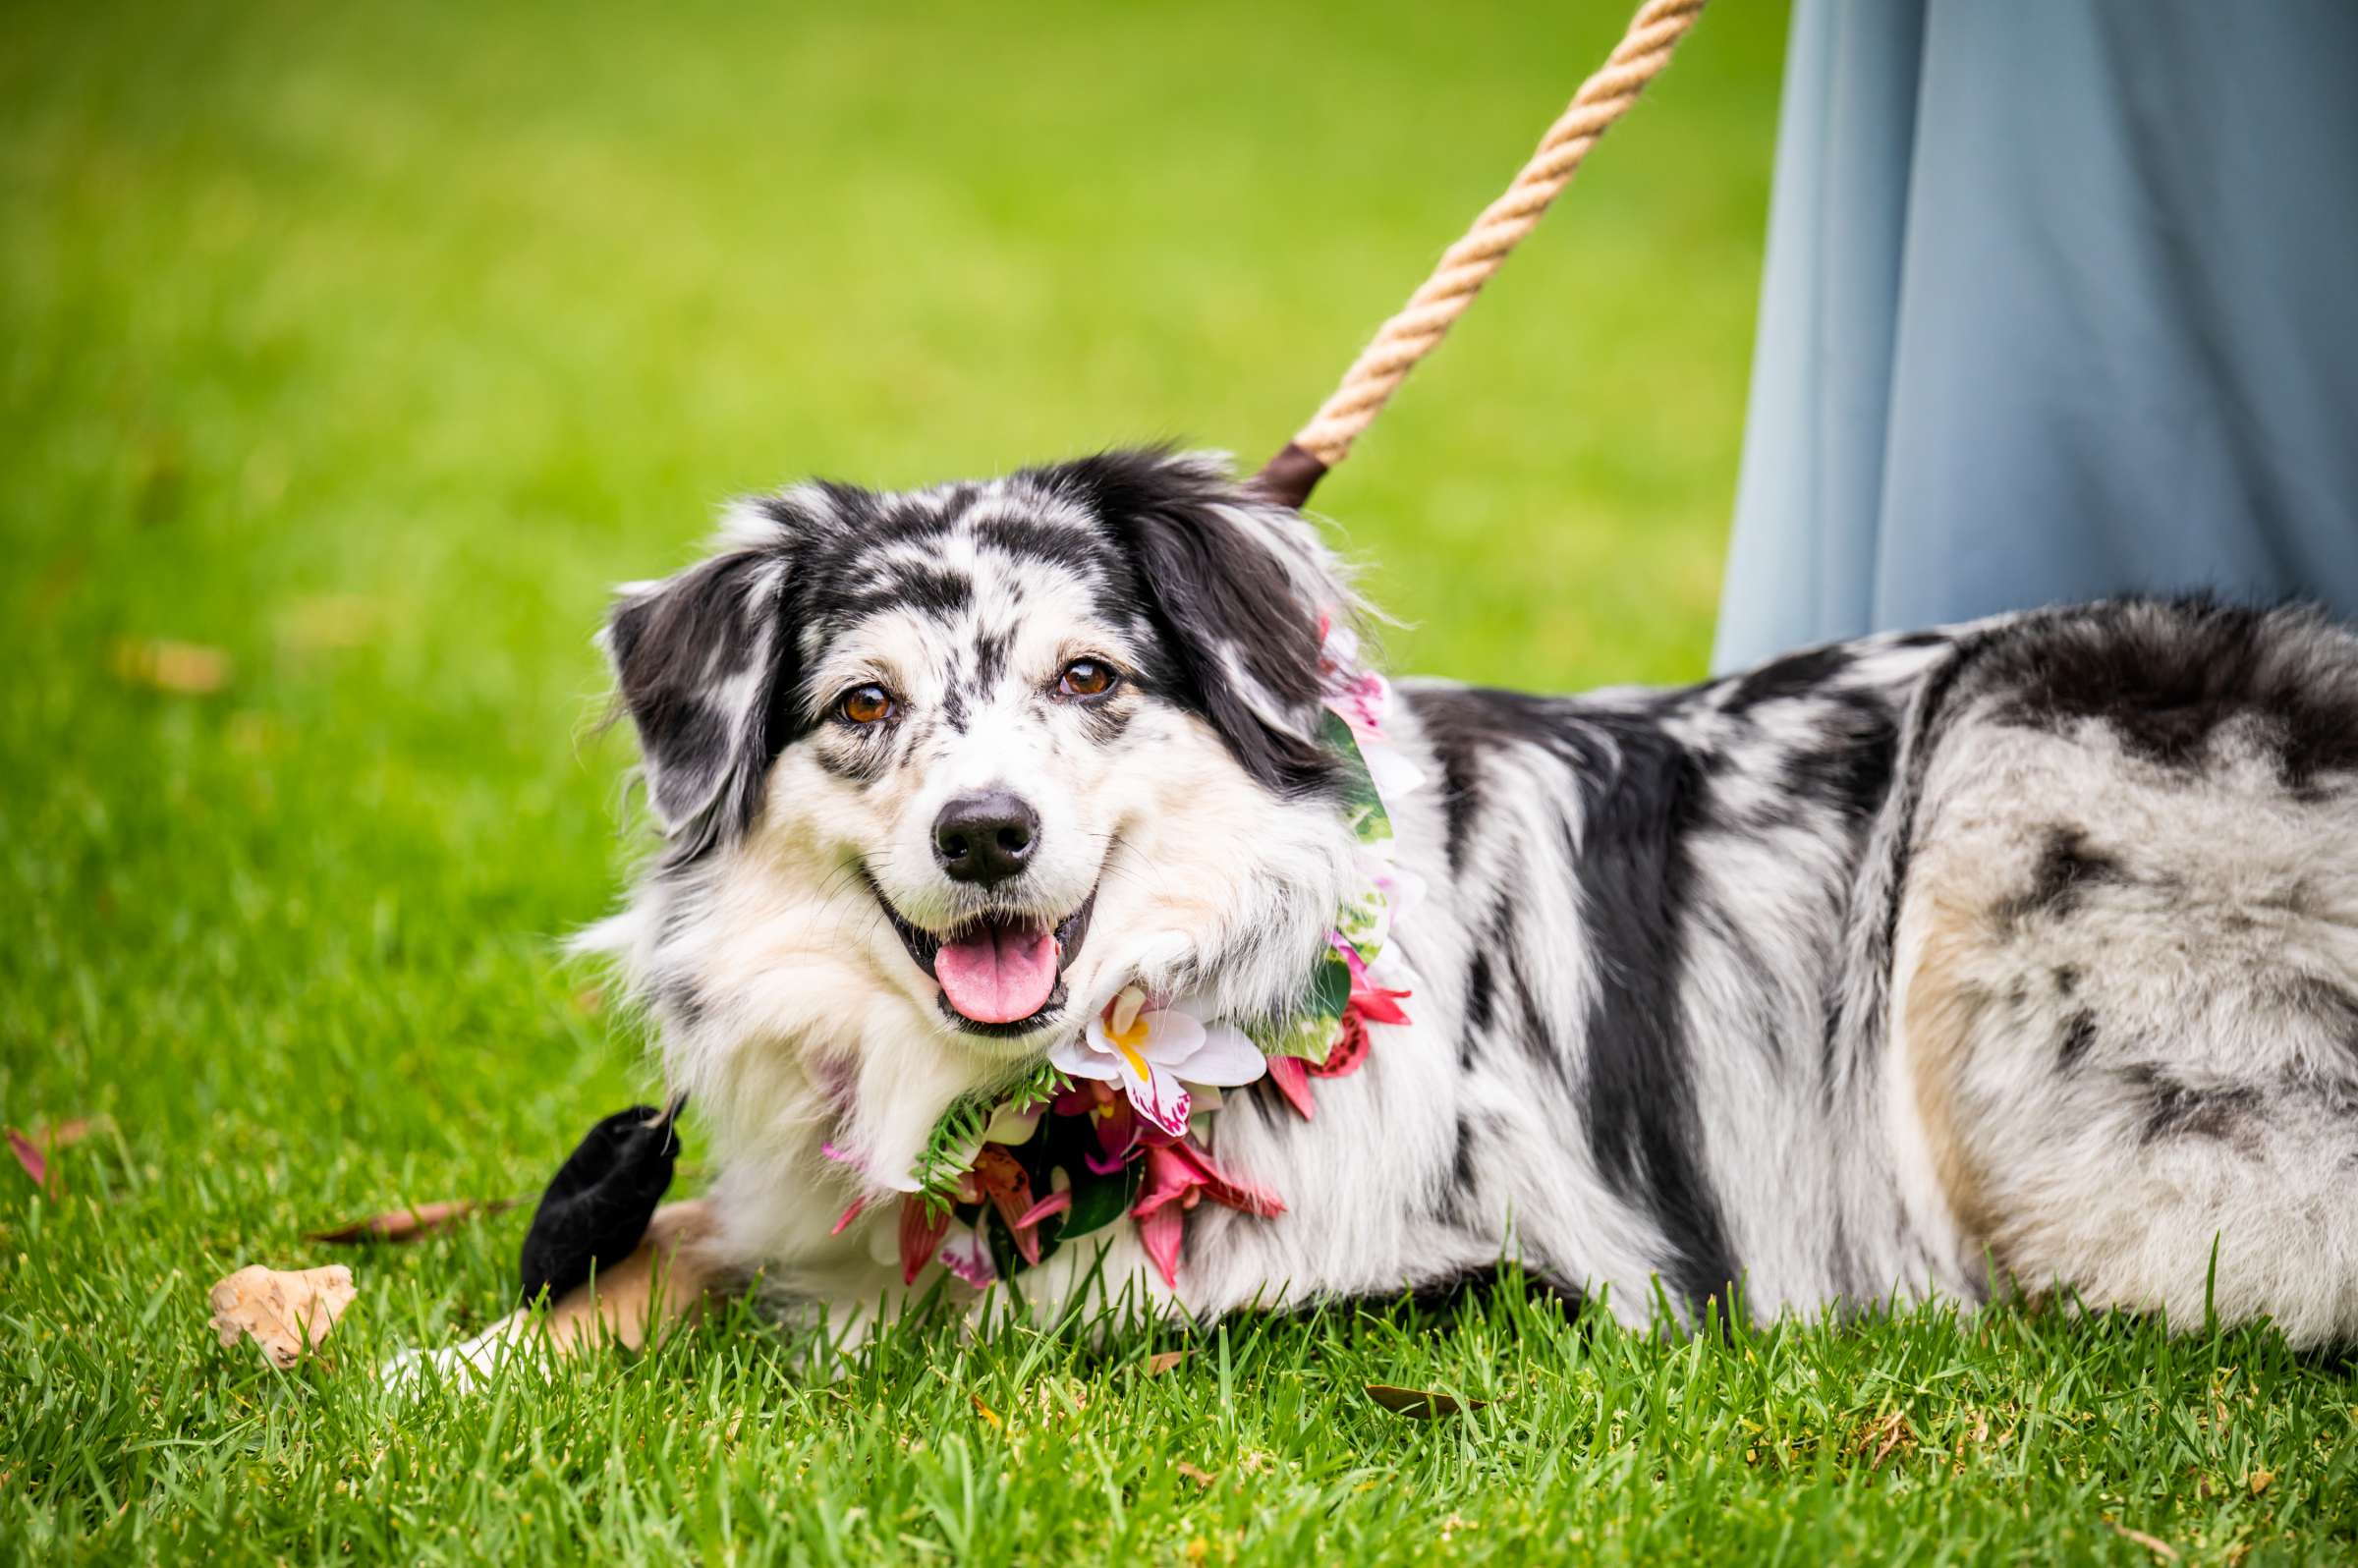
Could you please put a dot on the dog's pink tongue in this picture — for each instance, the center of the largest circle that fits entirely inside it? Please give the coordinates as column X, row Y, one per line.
column 1002, row 973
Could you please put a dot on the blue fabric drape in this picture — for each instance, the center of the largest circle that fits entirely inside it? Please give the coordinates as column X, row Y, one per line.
column 2061, row 300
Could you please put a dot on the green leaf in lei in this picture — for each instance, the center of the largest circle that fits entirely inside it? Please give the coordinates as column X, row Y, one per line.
column 1362, row 921
column 958, row 1136
column 1099, row 1201
column 1310, row 1029
column 1363, row 806
column 1062, row 1142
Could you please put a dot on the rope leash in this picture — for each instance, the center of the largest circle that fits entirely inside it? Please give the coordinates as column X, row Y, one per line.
column 1420, row 324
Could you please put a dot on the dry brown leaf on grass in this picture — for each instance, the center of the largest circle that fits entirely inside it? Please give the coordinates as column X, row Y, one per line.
column 191, row 669
column 1163, row 1361
column 1882, row 1436
column 67, row 1132
column 284, row 1311
column 1419, row 1404
column 399, row 1225
column 1201, row 1476
column 2152, row 1543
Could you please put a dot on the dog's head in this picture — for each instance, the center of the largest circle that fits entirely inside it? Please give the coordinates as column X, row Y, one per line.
column 951, row 768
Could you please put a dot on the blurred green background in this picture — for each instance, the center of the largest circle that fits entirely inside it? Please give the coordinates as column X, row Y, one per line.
column 367, row 345
column 352, row 351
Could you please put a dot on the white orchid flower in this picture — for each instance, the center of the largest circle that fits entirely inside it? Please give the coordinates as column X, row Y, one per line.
column 1155, row 1052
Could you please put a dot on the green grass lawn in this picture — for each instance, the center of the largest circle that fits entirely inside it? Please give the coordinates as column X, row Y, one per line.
column 366, row 344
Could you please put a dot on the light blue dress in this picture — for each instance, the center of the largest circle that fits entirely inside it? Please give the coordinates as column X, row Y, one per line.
column 2061, row 300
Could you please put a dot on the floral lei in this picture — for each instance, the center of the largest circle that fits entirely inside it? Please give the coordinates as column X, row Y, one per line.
column 1119, row 1119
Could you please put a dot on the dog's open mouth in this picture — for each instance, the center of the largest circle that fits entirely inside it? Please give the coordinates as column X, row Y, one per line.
column 1001, row 974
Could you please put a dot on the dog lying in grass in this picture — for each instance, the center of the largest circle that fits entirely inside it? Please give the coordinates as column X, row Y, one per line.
column 2021, row 955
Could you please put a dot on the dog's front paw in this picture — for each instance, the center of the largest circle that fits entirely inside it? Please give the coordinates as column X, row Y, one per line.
column 466, row 1364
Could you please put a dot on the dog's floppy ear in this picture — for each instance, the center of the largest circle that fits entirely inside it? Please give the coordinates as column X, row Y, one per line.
column 697, row 658
column 1237, row 588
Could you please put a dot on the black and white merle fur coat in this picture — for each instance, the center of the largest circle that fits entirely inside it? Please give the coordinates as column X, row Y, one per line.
column 2019, row 952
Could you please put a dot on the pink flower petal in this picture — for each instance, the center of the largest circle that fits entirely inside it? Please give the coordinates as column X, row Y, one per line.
column 29, row 1155
column 921, row 1229
column 1160, row 1099
column 849, row 1214
column 1116, row 1126
column 966, row 1254
column 1160, row 1233
column 1377, row 1004
column 1053, row 1204
column 1232, row 1191
column 1291, row 1075
column 1349, row 1052
column 1170, row 1175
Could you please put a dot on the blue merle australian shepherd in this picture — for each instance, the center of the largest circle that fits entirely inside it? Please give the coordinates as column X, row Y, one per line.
column 2017, row 956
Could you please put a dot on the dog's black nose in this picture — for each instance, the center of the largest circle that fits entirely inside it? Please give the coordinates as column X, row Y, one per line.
column 986, row 837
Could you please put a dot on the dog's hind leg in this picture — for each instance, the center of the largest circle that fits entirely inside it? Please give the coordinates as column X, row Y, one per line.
column 2127, row 1031
column 660, row 1287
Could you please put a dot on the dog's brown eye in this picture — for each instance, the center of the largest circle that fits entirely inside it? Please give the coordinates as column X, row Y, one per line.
column 865, row 704
column 1085, row 678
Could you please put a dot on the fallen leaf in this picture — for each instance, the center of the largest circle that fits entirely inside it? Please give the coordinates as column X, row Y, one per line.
column 190, row 668
column 1163, row 1361
column 66, row 1134
column 285, row 1311
column 1202, row 1477
column 985, row 1412
column 2152, row 1543
column 36, row 1165
column 2262, row 1479
column 1891, row 1428
column 409, row 1225
column 1419, row 1404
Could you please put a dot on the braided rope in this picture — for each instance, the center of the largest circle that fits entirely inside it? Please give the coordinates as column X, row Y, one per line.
column 1645, row 49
